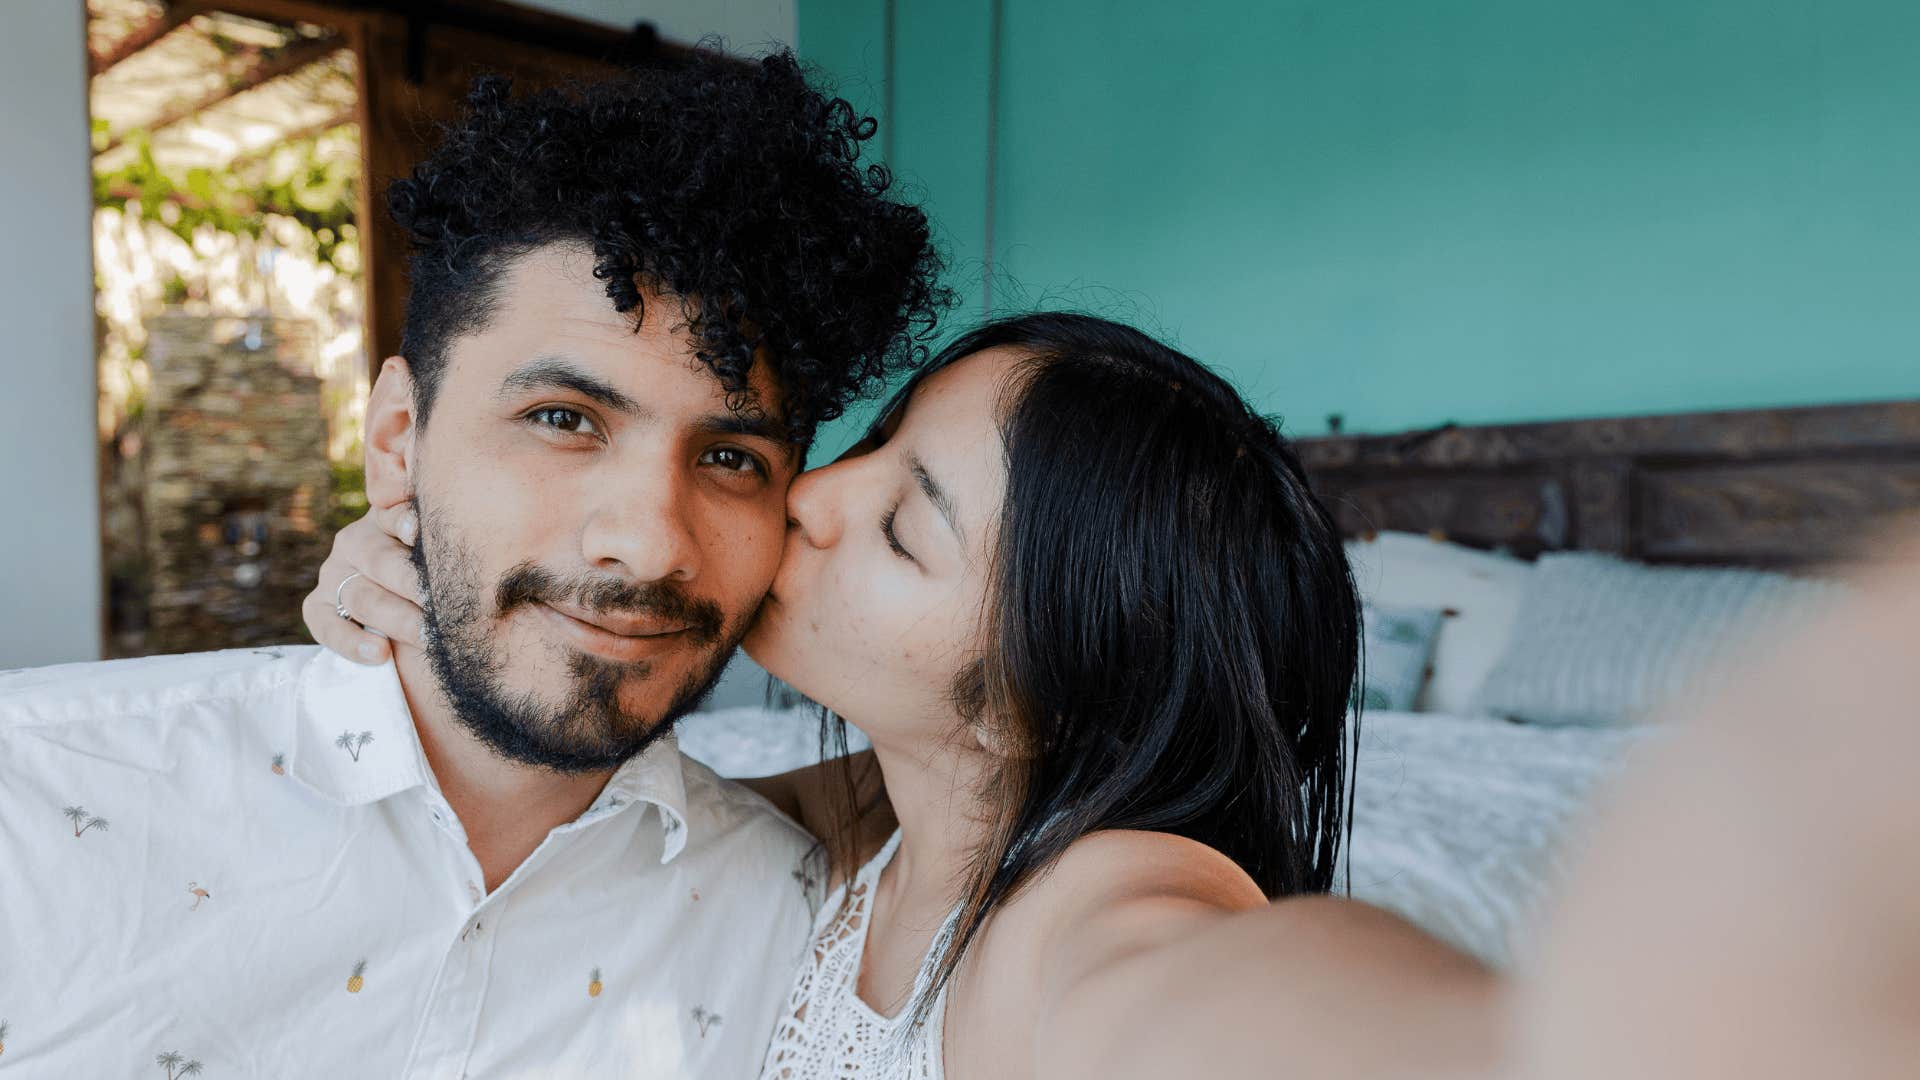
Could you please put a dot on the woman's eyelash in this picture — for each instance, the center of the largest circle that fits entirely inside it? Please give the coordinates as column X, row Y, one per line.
column 893, row 540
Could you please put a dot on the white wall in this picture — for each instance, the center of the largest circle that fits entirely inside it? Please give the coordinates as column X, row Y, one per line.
column 747, row 25
column 50, row 579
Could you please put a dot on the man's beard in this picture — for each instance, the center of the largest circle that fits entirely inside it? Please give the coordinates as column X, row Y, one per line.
column 589, row 731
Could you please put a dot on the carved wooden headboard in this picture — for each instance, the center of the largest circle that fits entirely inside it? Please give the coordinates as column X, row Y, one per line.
column 1765, row 487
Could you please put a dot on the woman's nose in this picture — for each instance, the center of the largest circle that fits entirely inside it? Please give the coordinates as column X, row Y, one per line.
column 813, row 505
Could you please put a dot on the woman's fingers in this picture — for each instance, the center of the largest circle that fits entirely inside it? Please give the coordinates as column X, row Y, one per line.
column 382, row 610
column 397, row 521
column 341, row 635
column 370, row 573
column 383, row 560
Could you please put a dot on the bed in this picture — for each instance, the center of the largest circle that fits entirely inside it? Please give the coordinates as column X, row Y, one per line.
column 1534, row 592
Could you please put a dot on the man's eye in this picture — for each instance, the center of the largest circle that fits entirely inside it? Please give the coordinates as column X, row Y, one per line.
column 733, row 459
column 570, row 421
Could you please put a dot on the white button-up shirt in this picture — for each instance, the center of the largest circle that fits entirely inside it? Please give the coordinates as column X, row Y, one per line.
column 241, row 860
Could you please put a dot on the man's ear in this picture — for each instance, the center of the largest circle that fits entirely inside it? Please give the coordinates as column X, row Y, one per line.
column 390, row 433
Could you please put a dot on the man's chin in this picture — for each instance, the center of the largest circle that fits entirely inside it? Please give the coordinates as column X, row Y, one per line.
column 595, row 715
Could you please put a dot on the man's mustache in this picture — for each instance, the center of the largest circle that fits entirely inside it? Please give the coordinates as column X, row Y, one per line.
column 527, row 583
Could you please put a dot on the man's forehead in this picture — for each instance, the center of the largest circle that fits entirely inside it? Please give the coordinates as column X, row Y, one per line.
column 551, row 304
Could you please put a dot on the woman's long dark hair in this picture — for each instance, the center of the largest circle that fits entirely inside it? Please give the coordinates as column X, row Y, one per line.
column 1172, row 630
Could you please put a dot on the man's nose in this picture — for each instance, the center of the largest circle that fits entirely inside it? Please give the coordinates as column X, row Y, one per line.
column 644, row 531
column 813, row 505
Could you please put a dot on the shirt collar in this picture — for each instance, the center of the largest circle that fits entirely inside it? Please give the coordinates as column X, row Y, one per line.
column 354, row 740
column 657, row 778
column 354, row 743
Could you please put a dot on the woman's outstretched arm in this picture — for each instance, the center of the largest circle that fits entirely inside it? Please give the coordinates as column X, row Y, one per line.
column 1749, row 904
column 1176, row 966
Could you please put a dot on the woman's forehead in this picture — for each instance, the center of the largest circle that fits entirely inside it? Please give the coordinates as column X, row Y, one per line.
column 951, row 426
column 969, row 388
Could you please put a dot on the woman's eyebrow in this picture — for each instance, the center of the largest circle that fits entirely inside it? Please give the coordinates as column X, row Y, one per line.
column 936, row 495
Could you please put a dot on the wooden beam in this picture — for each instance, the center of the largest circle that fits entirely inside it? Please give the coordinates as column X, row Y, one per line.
column 638, row 44
column 266, row 69
column 171, row 18
column 320, row 127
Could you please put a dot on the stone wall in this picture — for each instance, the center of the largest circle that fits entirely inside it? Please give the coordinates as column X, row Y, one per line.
column 231, row 461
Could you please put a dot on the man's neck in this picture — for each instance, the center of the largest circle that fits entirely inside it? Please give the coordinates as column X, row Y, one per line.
column 506, row 808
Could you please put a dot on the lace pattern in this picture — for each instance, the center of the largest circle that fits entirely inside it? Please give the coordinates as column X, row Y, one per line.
column 826, row 1032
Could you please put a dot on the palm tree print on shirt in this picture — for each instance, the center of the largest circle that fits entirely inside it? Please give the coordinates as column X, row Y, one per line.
column 177, row 1064
column 705, row 1019
column 82, row 821
column 352, row 743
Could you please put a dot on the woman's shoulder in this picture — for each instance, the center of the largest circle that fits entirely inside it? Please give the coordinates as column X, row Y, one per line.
column 1128, row 884
column 1118, row 864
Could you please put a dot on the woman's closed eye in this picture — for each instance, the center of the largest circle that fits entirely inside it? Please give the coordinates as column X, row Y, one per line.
column 893, row 538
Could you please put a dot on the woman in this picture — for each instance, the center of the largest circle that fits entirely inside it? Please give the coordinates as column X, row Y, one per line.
column 1104, row 641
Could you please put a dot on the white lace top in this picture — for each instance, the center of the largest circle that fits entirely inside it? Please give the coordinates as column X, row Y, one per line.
column 828, row 1033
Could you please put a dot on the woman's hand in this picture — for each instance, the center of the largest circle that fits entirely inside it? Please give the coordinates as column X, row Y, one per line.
column 384, row 599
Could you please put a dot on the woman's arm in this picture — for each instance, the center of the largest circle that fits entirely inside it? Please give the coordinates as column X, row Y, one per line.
column 1749, row 904
column 815, row 795
column 1184, row 972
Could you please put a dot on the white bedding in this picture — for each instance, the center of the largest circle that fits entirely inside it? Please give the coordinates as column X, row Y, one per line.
column 1458, row 821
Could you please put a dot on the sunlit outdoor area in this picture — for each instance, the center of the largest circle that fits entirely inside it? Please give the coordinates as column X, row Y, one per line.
column 229, row 293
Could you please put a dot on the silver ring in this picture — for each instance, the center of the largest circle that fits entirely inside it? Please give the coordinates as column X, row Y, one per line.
column 339, row 603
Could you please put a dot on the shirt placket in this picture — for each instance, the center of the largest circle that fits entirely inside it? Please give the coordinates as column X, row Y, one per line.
column 444, row 1046
column 451, row 1019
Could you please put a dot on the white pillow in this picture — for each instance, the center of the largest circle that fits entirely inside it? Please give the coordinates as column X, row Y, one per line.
column 1602, row 640
column 1480, row 589
column 1399, row 654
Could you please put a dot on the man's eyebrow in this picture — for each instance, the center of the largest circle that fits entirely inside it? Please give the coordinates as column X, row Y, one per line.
column 755, row 425
column 936, row 495
column 560, row 373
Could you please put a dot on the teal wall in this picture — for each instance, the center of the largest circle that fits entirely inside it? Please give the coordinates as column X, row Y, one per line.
column 1414, row 211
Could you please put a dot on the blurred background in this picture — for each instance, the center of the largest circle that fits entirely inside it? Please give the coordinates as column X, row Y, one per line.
column 1374, row 216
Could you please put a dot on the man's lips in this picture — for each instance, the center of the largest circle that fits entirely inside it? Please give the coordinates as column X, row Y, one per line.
column 616, row 636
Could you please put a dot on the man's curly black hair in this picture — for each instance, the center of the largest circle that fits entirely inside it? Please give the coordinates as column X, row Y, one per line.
column 732, row 186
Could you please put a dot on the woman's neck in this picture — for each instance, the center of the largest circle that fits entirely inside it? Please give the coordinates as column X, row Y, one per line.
column 936, row 800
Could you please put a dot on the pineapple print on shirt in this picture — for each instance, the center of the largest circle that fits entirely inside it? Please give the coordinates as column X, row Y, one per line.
column 593, row 984
column 358, row 979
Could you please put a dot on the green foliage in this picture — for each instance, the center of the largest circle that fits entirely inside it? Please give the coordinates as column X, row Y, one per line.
column 309, row 180
column 349, row 503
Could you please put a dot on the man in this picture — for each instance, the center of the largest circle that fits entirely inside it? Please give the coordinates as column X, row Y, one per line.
column 631, row 304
